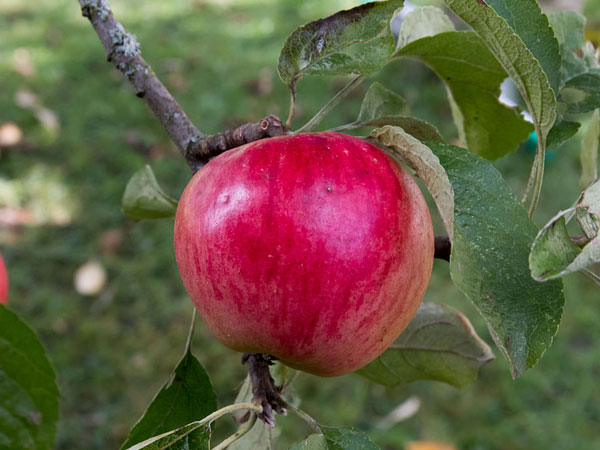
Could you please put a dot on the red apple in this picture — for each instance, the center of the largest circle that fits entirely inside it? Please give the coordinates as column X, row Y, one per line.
column 315, row 248
column 3, row 282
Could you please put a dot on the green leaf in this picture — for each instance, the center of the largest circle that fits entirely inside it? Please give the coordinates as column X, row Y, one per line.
column 381, row 107
column 347, row 439
column 512, row 53
column 553, row 255
column 358, row 40
column 490, row 260
column 423, row 22
column 473, row 77
column 192, row 436
column 188, row 396
column 419, row 158
column 312, row 442
column 569, row 30
column 144, row 199
column 439, row 344
column 533, row 27
column 560, row 133
column 589, row 151
column 582, row 93
column 28, row 393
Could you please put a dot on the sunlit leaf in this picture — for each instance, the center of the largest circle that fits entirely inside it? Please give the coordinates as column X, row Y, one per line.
column 423, row 22
column 28, row 393
column 438, row 344
column 490, row 259
column 193, row 436
column 144, row 199
column 419, row 158
column 358, row 40
column 473, row 77
column 589, row 151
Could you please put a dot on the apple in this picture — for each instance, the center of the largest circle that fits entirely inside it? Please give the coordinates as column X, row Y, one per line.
column 315, row 248
column 3, row 282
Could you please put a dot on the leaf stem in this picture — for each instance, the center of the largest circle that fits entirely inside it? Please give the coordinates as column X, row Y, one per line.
column 188, row 342
column 539, row 173
column 312, row 123
column 288, row 122
column 242, row 430
column 308, row 419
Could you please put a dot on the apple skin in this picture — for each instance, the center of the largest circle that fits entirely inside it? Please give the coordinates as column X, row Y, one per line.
column 315, row 248
column 3, row 282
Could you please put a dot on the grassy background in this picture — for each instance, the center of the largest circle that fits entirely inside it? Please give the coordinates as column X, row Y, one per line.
column 85, row 133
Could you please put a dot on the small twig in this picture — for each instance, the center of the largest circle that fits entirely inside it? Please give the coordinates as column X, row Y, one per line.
column 266, row 394
column 443, row 248
column 123, row 50
column 242, row 430
column 316, row 120
column 188, row 342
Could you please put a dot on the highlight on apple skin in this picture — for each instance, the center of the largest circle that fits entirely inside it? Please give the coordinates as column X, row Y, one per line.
column 315, row 248
column 3, row 282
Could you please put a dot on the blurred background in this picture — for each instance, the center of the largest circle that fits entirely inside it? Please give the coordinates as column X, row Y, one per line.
column 104, row 293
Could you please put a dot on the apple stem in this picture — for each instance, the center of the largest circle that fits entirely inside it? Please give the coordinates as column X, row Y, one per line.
column 266, row 394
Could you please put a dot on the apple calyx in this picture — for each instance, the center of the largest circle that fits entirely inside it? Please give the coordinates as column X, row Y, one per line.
column 265, row 392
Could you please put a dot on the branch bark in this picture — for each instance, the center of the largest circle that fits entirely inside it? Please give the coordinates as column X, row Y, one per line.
column 123, row 50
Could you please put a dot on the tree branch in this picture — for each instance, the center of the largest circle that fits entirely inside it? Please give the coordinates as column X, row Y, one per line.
column 123, row 50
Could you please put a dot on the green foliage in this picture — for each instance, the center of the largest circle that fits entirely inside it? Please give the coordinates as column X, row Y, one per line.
column 438, row 344
column 356, row 40
column 144, row 199
column 336, row 439
column 561, row 132
column 589, row 152
column 189, row 437
column 473, row 77
column 188, row 396
column 489, row 261
column 28, row 392
column 381, row 107
column 582, row 93
column 569, row 27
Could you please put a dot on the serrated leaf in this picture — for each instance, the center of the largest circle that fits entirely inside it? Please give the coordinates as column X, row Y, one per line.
column 188, row 396
column 258, row 438
column 193, row 436
column 28, row 393
column 439, row 344
column 423, row 22
column 589, row 151
column 419, row 158
column 347, row 439
column 514, row 56
column 490, row 259
column 312, row 442
column 561, row 132
column 533, row 27
column 582, row 93
column 383, row 107
column 144, row 199
column 473, row 77
column 358, row 40
column 569, row 28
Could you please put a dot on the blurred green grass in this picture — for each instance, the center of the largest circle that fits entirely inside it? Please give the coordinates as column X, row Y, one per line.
column 114, row 350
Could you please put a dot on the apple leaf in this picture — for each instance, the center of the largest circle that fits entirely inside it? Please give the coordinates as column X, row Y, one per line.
column 490, row 259
column 569, row 29
column 509, row 47
column 381, row 107
column 419, row 157
column 560, row 133
column 193, row 436
column 589, row 151
column 144, row 199
column 439, row 344
column 473, row 77
column 553, row 255
column 28, row 393
column 582, row 93
column 347, row 439
column 312, row 442
column 187, row 396
column 525, row 17
column 423, row 22
column 358, row 40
